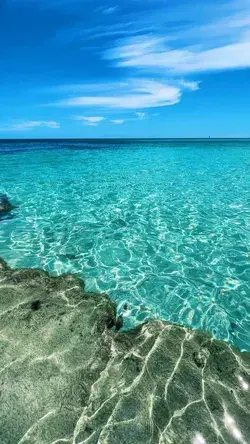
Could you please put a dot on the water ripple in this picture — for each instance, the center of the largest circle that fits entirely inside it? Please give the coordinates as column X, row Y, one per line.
column 163, row 227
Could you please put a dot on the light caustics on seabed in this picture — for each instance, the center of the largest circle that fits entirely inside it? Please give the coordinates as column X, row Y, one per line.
column 161, row 226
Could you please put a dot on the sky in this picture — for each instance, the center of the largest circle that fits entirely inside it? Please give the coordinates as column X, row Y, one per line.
column 140, row 68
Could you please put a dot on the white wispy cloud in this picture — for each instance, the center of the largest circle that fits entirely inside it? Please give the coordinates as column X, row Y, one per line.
column 29, row 125
column 187, row 60
column 134, row 94
column 109, row 10
column 140, row 115
column 210, row 43
column 119, row 29
column 117, row 121
column 117, row 33
column 190, row 84
column 90, row 121
column 163, row 51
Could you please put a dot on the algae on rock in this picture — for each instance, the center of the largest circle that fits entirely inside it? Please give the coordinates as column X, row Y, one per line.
column 66, row 378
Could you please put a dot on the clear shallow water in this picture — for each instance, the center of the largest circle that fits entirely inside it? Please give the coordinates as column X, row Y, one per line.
column 162, row 225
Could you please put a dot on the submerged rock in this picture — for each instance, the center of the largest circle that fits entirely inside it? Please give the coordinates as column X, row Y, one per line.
column 65, row 377
column 5, row 205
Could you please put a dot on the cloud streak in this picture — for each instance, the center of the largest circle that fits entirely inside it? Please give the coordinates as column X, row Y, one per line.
column 154, row 54
column 140, row 115
column 29, row 125
column 209, row 43
column 90, row 121
column 117, row 121
column 163, row 51
column 108, row 11
column 131, row 95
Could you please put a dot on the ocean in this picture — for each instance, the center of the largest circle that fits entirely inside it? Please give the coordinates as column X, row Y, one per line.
column 162, row 226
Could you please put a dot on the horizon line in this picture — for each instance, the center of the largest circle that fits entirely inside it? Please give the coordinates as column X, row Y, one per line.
column 119, row 138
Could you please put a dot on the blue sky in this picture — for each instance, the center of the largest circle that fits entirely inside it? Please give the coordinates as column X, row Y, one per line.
column 140, row 68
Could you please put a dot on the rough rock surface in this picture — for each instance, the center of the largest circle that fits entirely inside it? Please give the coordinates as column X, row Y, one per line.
column 66, row 378
column 5, row 205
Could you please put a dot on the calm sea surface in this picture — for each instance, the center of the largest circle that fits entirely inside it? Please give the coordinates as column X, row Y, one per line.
column 163, row 225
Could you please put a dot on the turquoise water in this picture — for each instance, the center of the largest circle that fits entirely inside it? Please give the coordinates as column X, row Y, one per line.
column 161, row 225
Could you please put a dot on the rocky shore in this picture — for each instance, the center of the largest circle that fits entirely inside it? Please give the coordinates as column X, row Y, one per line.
column 65, row 377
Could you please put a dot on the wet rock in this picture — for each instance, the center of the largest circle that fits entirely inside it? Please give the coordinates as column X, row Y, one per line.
column 5, row 205
column 78, row 381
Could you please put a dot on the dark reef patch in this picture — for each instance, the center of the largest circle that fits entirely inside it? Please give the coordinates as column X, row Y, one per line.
column 65, row 377
column 5, row 205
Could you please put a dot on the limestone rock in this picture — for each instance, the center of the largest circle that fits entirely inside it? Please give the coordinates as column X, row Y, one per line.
column 66, row 378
